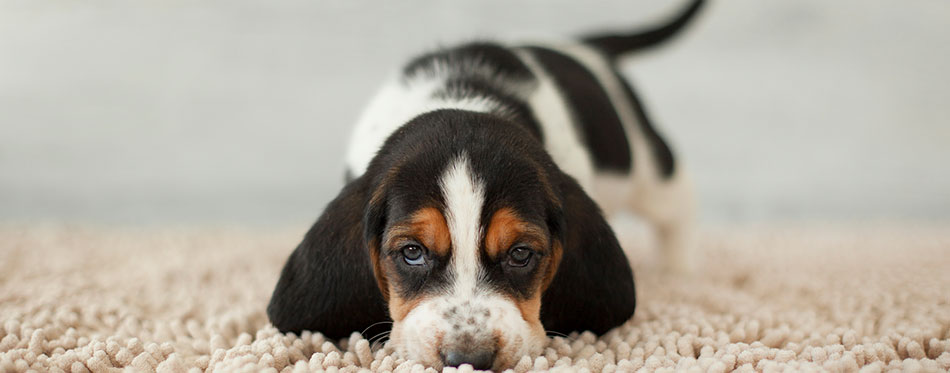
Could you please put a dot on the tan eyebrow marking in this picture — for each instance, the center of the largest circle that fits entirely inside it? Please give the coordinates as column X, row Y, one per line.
column 505, row 229
column 427, row 225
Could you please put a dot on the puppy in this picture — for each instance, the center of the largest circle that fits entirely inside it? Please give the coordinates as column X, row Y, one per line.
column 470, row 216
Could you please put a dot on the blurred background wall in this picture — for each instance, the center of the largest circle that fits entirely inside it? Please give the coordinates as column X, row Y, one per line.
column 185, row 112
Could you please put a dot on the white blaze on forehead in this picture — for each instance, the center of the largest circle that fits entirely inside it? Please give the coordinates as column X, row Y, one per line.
column 464, row 195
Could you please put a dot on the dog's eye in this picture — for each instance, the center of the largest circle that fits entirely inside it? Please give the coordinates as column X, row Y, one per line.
column 519, row 256
column 413, row 255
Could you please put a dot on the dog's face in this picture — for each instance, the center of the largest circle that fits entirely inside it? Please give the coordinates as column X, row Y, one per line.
column 466, row 253
column 466, row 235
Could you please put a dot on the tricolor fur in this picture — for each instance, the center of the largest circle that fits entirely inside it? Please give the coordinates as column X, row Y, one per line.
column 469, row 218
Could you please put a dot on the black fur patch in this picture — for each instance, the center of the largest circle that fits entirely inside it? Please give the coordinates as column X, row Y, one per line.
column 594, row 114
column 661, row 151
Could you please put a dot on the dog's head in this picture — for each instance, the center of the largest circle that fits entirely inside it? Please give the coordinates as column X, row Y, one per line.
column 465, row 233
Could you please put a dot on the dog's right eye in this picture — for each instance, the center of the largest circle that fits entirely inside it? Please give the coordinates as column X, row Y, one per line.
column 413, row 254
column 519, row 257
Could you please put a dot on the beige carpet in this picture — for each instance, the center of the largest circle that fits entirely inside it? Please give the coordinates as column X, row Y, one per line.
column 869, row 298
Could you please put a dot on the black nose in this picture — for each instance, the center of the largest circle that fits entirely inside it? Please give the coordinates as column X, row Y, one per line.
column 480, row 360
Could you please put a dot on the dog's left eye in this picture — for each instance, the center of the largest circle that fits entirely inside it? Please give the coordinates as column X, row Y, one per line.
column 413, row 255
column 519, row 256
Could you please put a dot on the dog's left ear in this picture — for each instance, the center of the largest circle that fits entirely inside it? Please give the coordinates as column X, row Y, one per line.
column 593, row 287
column 328, row 284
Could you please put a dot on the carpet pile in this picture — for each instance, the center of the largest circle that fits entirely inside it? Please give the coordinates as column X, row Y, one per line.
column 868, row 298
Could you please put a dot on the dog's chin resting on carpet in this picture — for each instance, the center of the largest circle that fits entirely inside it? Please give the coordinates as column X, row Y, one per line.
column 472, row 213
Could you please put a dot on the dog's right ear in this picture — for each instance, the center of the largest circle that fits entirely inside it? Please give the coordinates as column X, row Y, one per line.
column 328, row 284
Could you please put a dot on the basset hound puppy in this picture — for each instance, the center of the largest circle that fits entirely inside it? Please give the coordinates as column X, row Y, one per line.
column 471, row 218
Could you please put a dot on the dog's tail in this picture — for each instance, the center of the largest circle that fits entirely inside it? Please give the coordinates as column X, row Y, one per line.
column 616, row 45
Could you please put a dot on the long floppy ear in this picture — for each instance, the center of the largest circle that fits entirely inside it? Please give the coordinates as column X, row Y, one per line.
column 327, row 284
column 593, row 287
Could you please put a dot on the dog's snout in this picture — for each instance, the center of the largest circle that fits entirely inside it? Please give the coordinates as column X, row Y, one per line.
column 479, row 359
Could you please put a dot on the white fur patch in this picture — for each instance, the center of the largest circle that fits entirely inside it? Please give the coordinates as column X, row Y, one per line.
column 464, row 196
column 396, row 104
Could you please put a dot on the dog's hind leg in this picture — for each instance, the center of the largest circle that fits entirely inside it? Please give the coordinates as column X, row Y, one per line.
column 669, row 205
column 664, row 200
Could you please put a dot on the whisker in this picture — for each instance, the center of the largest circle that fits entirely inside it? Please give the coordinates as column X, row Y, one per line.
column 379, row 337
column 379, row 343
column 374, row 324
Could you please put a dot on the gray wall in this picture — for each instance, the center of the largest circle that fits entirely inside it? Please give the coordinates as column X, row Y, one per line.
column 180, row 112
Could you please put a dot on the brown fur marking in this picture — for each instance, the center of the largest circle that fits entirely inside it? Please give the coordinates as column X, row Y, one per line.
column 399, row 307
column 427, row 226
column 506, row 229
column 530, row 308
column 556, row 253
column 381, row 281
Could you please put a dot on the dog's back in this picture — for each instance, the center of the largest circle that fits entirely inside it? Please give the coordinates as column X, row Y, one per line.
column 572, row 98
